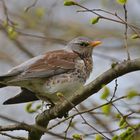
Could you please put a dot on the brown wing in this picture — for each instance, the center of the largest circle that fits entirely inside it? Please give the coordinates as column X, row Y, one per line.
column 53, row 63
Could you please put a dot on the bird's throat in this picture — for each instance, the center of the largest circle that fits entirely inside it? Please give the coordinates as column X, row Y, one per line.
column 88, row 64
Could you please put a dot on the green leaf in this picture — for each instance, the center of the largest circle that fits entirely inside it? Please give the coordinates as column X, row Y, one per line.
column 115, row 137
column 105, row 93
column 132, row 93
column 11, row 32
column 29, row 108
column 114, row 64
column 106, row 109
column 77, row 137
column 118, row 116
column 94, row 20
column 40, row 12
column 10, row 29
column 59, row 94
column 69, row 2
column 98, row 137
column 135, row 36
column 128, row 134
column 122, row 123
column 5, row 23
column 122, row 1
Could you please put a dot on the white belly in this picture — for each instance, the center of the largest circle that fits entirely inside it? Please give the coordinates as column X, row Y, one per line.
column 67, row 89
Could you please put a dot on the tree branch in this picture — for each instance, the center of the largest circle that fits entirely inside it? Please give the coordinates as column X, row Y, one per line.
column 82, row 94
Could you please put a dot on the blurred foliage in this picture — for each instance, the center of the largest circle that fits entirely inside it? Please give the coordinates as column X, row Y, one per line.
column 29, row 107
column 98, row 137
column 95, row 20
column 132, row 93
column 106, row 93
column 128, row 134
column 122, row 1
column 49, row 25
column 106, row 109
column 77, row 137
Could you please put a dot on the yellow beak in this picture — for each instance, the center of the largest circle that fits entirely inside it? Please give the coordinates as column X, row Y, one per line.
column 95, row 43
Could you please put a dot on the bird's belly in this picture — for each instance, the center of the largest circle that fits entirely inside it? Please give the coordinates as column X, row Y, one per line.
column 66, row 89
column 66, row 84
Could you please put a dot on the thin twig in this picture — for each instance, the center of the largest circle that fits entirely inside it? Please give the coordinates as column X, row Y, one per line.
column 25, row 126
column 131, row 26
column 85, row 121
column 85, row 111
column 115, row 130
column 115, row 89
column 55, row 40
column 69, row 125
column 125, row 32
column 8, row 20
column 31, row 6
column 12, row 137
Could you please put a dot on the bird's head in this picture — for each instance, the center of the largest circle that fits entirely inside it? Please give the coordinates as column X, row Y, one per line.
column 83, row 46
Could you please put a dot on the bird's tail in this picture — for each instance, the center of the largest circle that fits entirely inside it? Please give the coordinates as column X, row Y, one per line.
column 24, row 96
column 2, row 80
column 2, row 85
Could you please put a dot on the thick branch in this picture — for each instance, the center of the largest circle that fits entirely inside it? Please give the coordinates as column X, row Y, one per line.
column 83, row 93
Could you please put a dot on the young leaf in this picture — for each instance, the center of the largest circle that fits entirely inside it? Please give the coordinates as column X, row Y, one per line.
column 135, row 36
column 105, row 93
column 114, row 64
column 131, row 94
column 29, row 107
column 122, row 1
column 122, row 123
column 94, row 20
column 115, row 137
column 59, row 94
column 77, row 137
column 5, row 23
column 98, row 137
column 69, row 2
column 106, row 109
column 11, row 32
column 40, row 12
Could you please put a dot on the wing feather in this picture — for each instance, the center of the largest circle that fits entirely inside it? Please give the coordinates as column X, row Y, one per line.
column 53, row 63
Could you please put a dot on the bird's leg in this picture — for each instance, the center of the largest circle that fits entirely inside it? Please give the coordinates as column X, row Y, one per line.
column 62, row 98
column 42, row 106
column 50, row 104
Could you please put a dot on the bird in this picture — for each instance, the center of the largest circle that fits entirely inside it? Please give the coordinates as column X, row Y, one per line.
column 59, row 71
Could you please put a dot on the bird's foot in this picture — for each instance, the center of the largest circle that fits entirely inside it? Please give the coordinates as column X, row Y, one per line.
column 49, row 105
column 63, row 115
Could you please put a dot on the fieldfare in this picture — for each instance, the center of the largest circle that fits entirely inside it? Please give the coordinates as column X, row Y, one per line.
column 42, row 77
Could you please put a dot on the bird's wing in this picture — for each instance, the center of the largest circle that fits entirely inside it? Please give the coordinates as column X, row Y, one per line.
column 53, row 63
column 23, row 97
column 15, row 71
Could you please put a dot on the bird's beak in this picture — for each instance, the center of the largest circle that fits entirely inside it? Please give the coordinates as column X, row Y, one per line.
column 95, row 43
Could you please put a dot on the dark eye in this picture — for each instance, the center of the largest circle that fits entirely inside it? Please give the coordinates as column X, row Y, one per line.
column 84, row 44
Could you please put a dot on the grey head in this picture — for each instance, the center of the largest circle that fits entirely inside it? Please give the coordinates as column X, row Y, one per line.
column 83, row 46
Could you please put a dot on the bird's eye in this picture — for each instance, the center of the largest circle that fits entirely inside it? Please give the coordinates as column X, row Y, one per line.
column 84, row 44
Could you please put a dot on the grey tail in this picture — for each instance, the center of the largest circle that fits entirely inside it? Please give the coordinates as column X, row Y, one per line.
column 23, row 97
column 2, row 85
column 2, row 78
